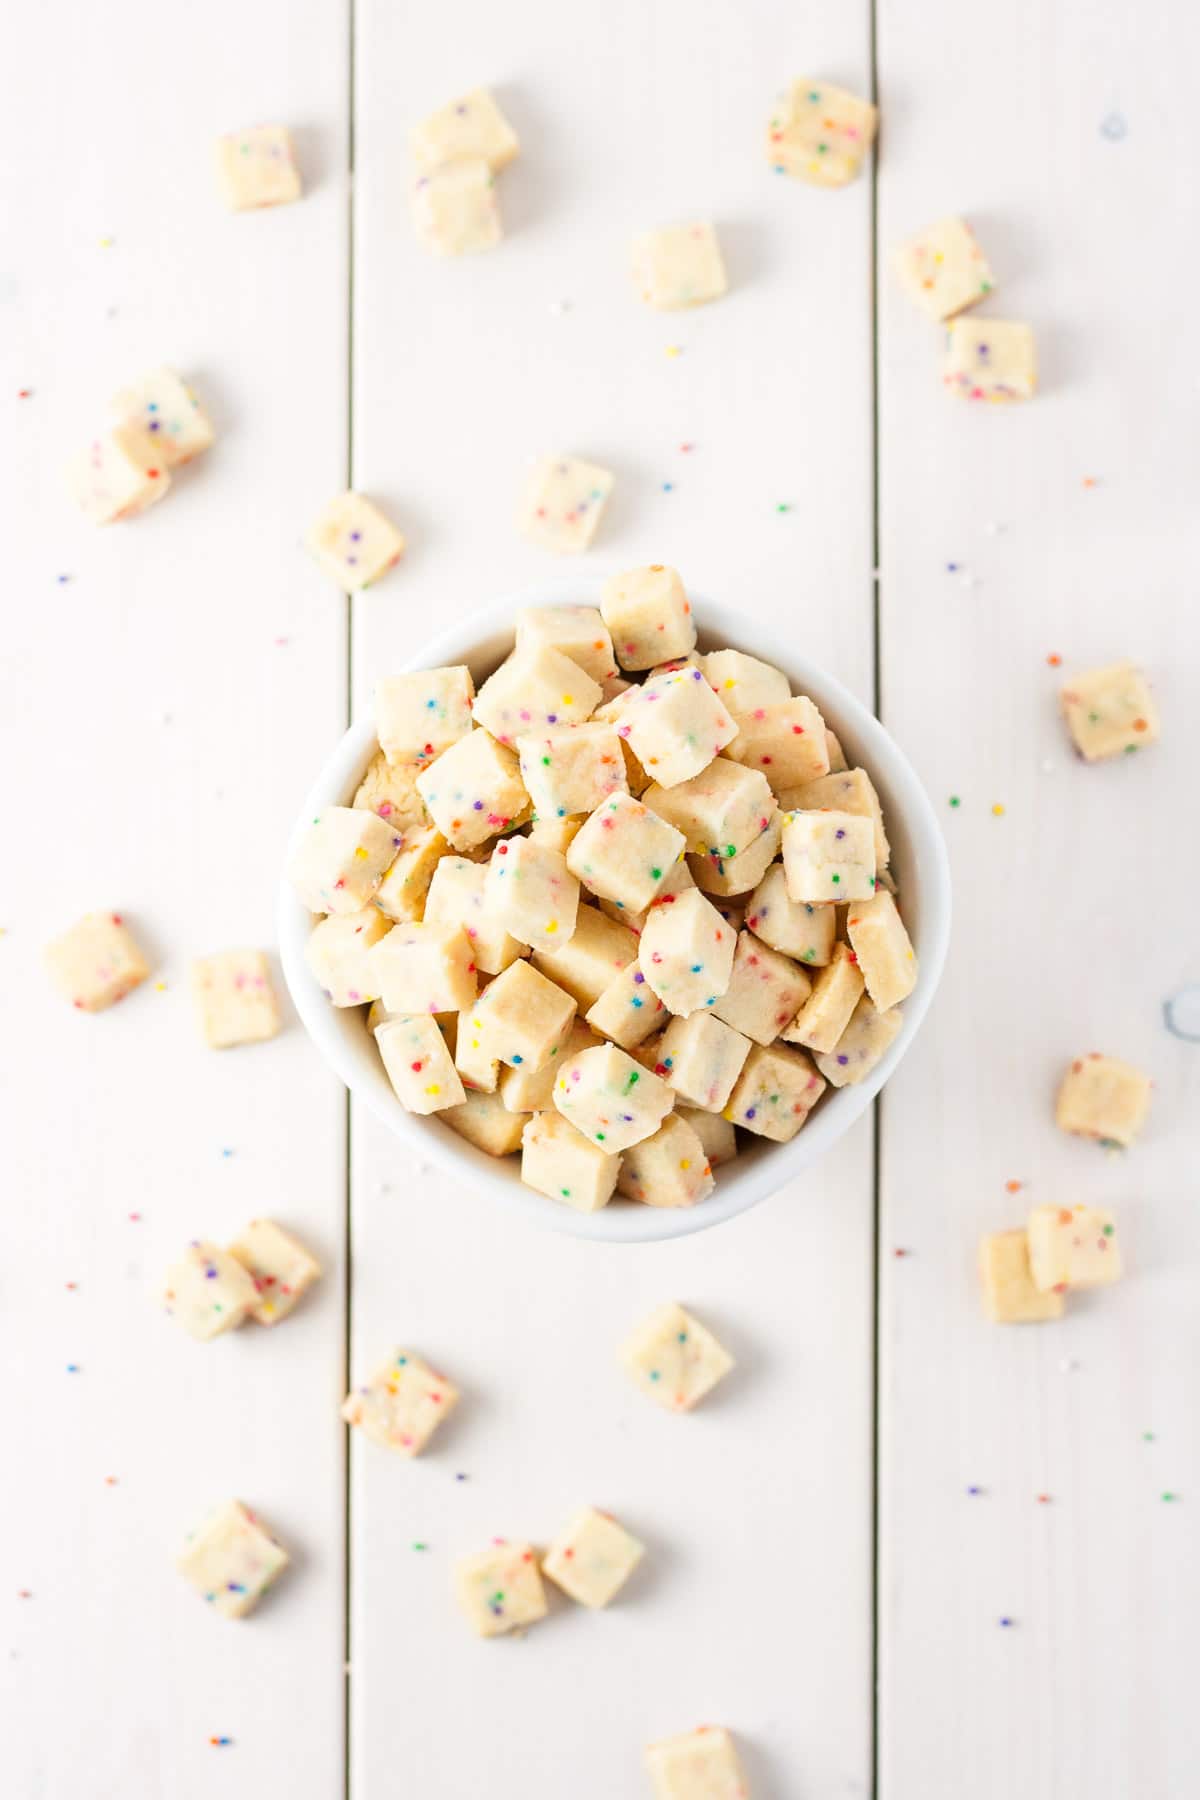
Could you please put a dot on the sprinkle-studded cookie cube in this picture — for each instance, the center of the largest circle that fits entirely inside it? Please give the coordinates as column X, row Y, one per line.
column 402, row 893
column 795, row 928
column 775, row 1092
column 678, row 266
column 465, row 129
column 571, row 768
column 342, row 858
column 714, row 1131
column 402, row 1405
column 592, row 1558
column 649, row 616
column 585, row 966
column 353, row 542
column 1072, row 1247
column 474, row 790
column 1009, row 1295
column 563, row 502
column 455, row 208
column 703, row 1058
column 96, row 963
column 164, row 406
column 473, row 1059
column 531, row 893
column 1103, row 1099
column 943, row 269
column 868, row 1035
column 744, row 683
column 836, row 992
column 787, row 742
column 765, row 990
column 674, row 1358
column 820, row 134
column 337, row 954
column 612, row 1101
column 722, row 876
column 686, row 953
column 1110, row 712
column 418, row 1063
column 625, row 852
column 828, row 856
column 990, row 359
column 850, row 790
column 525, row 1090
column 535, row 688
column 719, row 811
column 424, row 968
column 234, row 999
column 558, row 1161
column 232, row 1560
column 457, row 897
column 500, row 1589
column 628, row 1011
column 207, row 1292
column 527, row 1018
column 278, row 1264
column 485, row 1122
column 119, row 475
column 697, row 1765
column 883, row 948
column 390, row 790
column 676, row 725
column 256, row 167
column 668, row 1169
column 578, row 632
column 418, row 716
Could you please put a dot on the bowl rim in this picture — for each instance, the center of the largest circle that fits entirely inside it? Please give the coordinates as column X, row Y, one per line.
column 491, row 1178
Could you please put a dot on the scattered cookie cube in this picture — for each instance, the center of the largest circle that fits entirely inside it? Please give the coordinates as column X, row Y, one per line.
column 628, row 1010
column 669, row 1168
column 678, row 266
column 848, row 790
column 943, row 269
column 868, row 1035
column 1110, row 712
column 724, row 876
column 1009, row 1294
column 607, row 1097
column 232, row 1560
column 578, row 632
column 234, row 998
column 402, row 1405
column 527, row 1018
column 592, row 1558
column 796, row 928
column 674, row 1358
column 676, row 725
column 474, row 790
column 571, row 768
column 698, row 1765
column 820, row 134
column 531, row 893
column 884, row 949
column 468, row 129
column 828, row 856
column 403, row 892
column 649, row 616
column 336, row 954
column 417, row 716
column 207, row 1292
column 563, row 502
column 256, row 167
column 164, row 406
column 686, row 953
column 278, row 1264
column 485, row 1122
column 500, row 1589
column 353, row 542
column 455, row 208
column 703, row 1058
column 1103, row 1099
column 97, row 962
column 775, row 1092
column 786, row 741
column 342, row 858
column 765, row 990
column 990, row 359
column 1072, row 1247
column 598, row 951
column 625, row 852
column 720, row 811
column 119, row 475
column 457, row 896
column 418, row 1064
column 559, row 1162
column 421, row 967
column 535, row 688
column 836, row 991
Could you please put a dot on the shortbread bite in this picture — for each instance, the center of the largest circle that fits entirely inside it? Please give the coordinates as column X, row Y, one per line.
column 455, row 208
column 1103, row 1099
column 578, row 632
column 795, row 928
column 424, row 968
column 868, row 1035
column 884, row 949
column 474, row 790
column 207, row 1292
column 500, row 1589
column 743, row 682
column 828, row 856
column 164, row 406
column 337, row 955
column 592, row 1558
column 697, row 1765
column 532, row 689
column 402, row 1405
column 836, row 992
column 457, row 896
column 352, row 542
column 419, row 1066
column 278, row 1264
column 119, row 475
column 820, row 134
column 96, row 963
column 943, row 268
column 402, row 893
column 612, row 1101
column 559, row 1162
column 256, row 167
column 468, row 128
column 676, row 725
column 417, row 716
column 571, row 768
column 485, row 1122
column 1009, row 1296
column 764, row 992
column 775, row 1092
column 676, row 880
column 232, row 1560
column 234, row 999
column 714, row 1131
column 674, row 1358
column 391, row 792
column 686, row 953
column 669, row 1169
column 526, row 1018
column 342, row 858
column 1072, row 1247
column 625, row 852
column 678, row 266
column 1110, row 712
column 990, row 359
column 599, row 950
column 703, row 1058
column 563, row 502
column 787, row 742
column 723, row 876
column 554, row 833
column 526, row 1090
column 531, row 893
column 649, row 616
column 720, row 811
column 473, row 1059
column 628, row 1010
column 852, row 791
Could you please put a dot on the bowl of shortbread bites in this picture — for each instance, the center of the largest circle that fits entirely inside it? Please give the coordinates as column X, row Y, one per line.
column 618, row 920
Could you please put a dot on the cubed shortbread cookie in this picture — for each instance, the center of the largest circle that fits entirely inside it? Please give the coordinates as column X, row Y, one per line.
column 612, row 1101
column 342, row 858
column 558, row 1161
column 649, row 616
column 714, row 1131
column 796, row 928
column 164, row 406
column 676, row 725
column 119, row 475
column 990, row 359
column 352, row 542
column 722, row 876
column 207, row 1291
column 628, row 1010
column 468, row 128
column 391, row 792
column 531, row 893
column 625, row 852
column 526, row 1017
column 336, row 953
column 500, row 1589
column 679, row 265
column 865, row 1039
column 686, row 953
column 1072, row 1247
column 474, row 790
column 455, row 208
column 485, row 1121
column 743, row 682
column 599, row 950
column 592, row 1558
column 1103, row 1099
column 417, row 716
column 562, row 503
column 534, row 688
column 97, row 962
column 424, row 968
column 884, row 949
column 1110, row 712
column 526, row 1090
column 765, row 990
column 775, row 1092
column 257, row 167
column 820, row 133
column 1009, row 1296
column 668, row 1169
column 674, row 1358
column 828, row 856
column 402, row 893
column 697, row 1765
column 232, row 1560
column 418, row 1063
column 786, row 741
column 719, row 811
column 278, row 1264
column 457, row 897
column 675, row 881
column 852, row 791
column 836, row 992
column 571, row 768
column 473, row 1058
column 402, row 1404
column 943, row 268
column 234, row 999
column 554, row 833
column 578, row 632
column 703, row 1057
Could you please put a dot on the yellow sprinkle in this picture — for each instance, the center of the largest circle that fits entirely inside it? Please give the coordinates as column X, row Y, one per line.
column 160, row 987
column 673, row 349
column 997, row 810
column 568, row 699
column 551, row 925
column 106, row 243
column 361, row 852
column 686, row 1163
column 433, row 1088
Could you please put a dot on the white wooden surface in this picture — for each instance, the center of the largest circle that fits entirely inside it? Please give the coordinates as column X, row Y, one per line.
column 156, row 734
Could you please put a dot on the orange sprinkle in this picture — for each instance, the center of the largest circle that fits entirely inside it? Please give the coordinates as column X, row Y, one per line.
column 1054, row 659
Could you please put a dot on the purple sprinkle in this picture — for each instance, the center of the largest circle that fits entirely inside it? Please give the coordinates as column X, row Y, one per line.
column 751, row 1112
column 696, row 675
column 552, row 718
column 843, row 1060
column 839, row 833
column 638, row 979
column 479, row 806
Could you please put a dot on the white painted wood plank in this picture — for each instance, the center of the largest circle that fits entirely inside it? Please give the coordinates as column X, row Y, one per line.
column 1069, row 929
column 757, row 1510
column 156, row 738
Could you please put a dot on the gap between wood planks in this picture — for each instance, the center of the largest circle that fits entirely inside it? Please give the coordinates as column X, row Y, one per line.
column 347, row 1122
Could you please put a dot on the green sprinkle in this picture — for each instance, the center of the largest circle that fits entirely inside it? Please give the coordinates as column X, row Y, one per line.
column 836, row 879
column 1168, row 1497
column 599, row 1137
column 634, row 1078
column 545, row 762
column 565, row 1192
column 1108, row 1231
column 731, row 849
column 1147, row 1437
column 656, row 874
column 420, row 1546
column 954, row 800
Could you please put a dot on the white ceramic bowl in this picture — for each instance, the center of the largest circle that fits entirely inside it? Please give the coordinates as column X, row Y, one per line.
column 918, row 863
